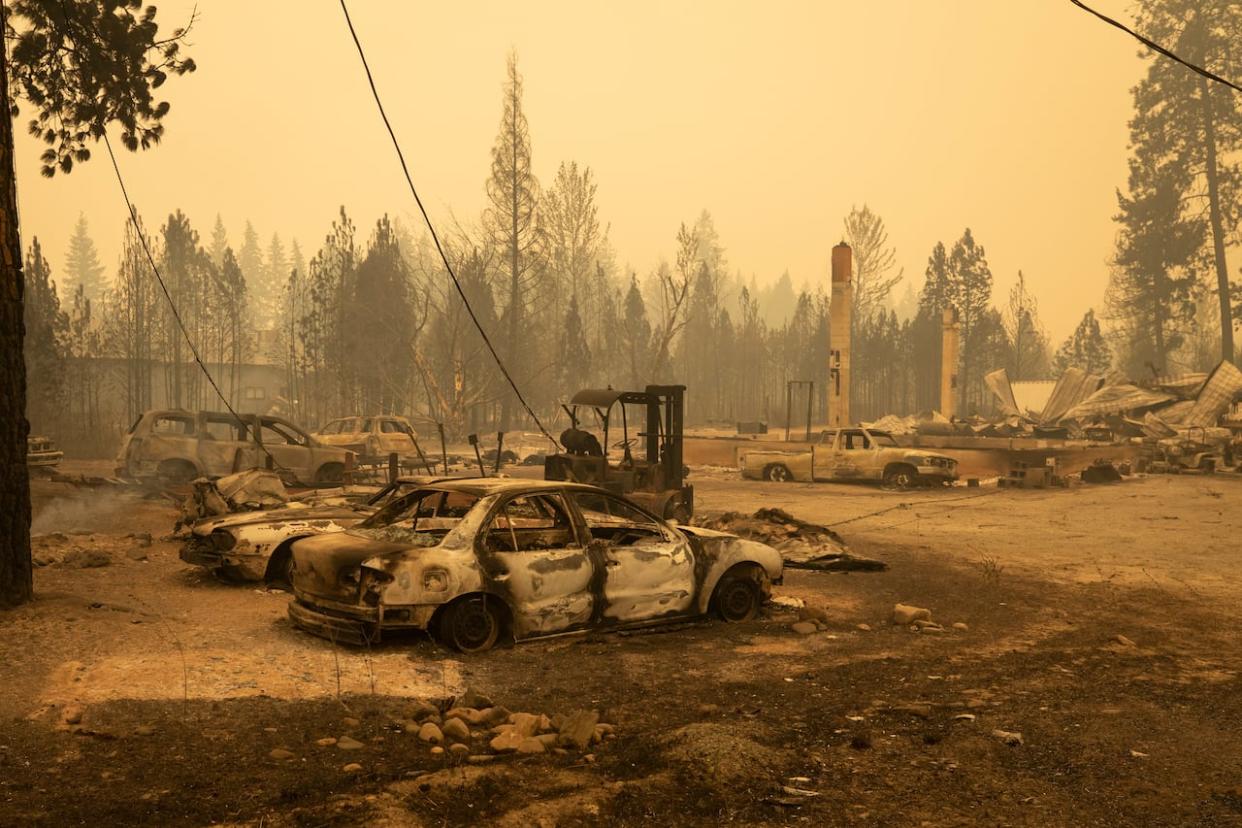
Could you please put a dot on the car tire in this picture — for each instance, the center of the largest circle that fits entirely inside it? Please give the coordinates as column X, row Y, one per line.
column 737, row 597
column 330, row 473
column 900, row 477
column 472, row 625
column 778, row 473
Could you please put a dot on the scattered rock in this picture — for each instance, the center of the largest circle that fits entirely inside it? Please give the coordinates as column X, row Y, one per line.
column 136, row 554
column 577, row 728
column 530, row 745
column 964, row 717
column 144, row 730
column 86, row 559
column 143, row 539
column 506, row 742
column 480, row 759
column 549, row 739
column 71, row 714
column 349, row 743
column 350, row 721
column 430, row 732
column 1123, row 641
column 804, row 627
column 475, row 699
column 813, row 613
column 904, row 614
column 280, row 753
column 327, row 741
column 921, row 709
column 437, row 751
column 352, row 767
column 1008, row 737
column 494, row 716
column 459, row 750
column 960, row 626
column 454, row 729
column 526, row 724
column 422, row 710
column 709, row 709
column 863, row 627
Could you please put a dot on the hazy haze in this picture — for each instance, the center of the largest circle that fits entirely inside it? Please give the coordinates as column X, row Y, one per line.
column 1006, row 117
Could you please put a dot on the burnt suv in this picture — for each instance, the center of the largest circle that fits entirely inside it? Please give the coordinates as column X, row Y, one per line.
column 174, row 447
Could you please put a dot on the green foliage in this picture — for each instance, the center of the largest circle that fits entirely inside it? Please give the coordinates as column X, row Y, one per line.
column 82, row 267
column 46, row 347
column 1085, row 348
column 85, row 63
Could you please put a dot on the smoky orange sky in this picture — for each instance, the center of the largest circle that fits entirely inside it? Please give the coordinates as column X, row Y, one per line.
column 1007, row 116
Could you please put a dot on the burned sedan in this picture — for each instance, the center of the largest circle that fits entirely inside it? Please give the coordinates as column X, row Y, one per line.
column 472, row 561
column 256, row 546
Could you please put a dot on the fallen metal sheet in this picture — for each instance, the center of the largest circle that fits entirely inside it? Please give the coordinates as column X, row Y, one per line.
column 1117, row 399
column 1222, row 386
column 998, row 382
column 1074, row 386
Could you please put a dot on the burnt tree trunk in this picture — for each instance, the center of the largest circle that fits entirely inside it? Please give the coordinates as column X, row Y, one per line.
column 16, row 584
column 1217, row 222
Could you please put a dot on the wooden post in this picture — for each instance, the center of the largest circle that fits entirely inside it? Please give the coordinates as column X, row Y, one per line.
column 474, row 442
column 500, row 446
column 394, row 467
column 443, row 447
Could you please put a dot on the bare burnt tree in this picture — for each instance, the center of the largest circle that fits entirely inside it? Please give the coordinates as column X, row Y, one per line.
column 511, row 221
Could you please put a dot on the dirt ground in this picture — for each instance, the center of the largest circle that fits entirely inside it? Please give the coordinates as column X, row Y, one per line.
column 1100, row 624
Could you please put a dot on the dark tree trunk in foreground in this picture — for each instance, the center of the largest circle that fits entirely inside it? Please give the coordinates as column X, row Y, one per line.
column 16, row 586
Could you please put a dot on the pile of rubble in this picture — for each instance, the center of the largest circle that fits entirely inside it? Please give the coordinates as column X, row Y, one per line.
column 87, row 550
column 803, row 545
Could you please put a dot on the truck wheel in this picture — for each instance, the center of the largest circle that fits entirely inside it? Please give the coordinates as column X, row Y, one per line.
column 900, row 477
column 778, row 472
column 1207, row 465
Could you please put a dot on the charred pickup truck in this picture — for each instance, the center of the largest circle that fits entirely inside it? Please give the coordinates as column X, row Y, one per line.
column 473, row 561
column 853, row 454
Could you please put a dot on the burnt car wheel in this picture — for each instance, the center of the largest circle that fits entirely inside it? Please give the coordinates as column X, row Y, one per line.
column 778, row 472
column 330, row 473
column 471, row 626
column 901, row 477
column 737, row 597
column 176, row 472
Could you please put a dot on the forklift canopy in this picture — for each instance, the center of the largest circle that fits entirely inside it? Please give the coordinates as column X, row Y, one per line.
column 605, row 397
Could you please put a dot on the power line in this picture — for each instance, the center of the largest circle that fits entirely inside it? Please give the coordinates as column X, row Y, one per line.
column 1151, row 44
column 434, row 236
column 133, row 218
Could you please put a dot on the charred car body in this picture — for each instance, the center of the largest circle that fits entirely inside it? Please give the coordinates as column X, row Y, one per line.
column 176, row 446
column 471, row 561
column 256, row 546
column 371, row 438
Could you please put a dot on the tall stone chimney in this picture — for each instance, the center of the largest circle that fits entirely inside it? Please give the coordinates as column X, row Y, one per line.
column 839, row 336
column 949, row 345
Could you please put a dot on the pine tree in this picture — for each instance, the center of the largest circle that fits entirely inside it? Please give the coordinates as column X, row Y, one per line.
column 511, row 222
column 971, row 293
column 219, row 242
column 1188, row 122
column 82, row 267
column 1085, row 348
column 254, row 269
column 47, row 329
column 636, row 335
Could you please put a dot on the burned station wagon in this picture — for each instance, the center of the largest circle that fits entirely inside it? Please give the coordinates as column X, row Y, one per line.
column 473, row 561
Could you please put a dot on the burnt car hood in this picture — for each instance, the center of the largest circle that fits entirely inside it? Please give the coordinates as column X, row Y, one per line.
column 281, row 515
column 319, row 562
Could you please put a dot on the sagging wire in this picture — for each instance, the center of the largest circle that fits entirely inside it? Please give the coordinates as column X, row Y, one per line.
column 435, row 238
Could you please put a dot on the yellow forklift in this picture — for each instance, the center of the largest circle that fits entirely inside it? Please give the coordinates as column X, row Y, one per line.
column 654, row 480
